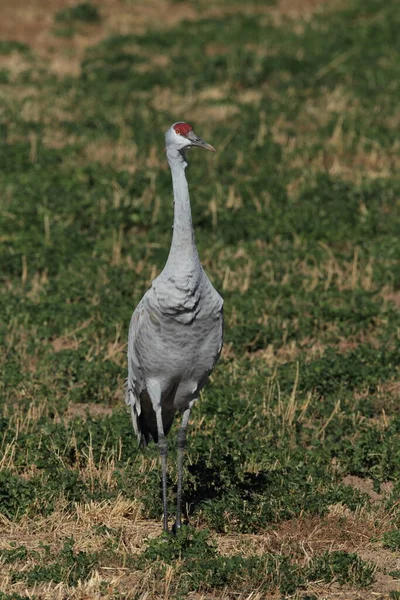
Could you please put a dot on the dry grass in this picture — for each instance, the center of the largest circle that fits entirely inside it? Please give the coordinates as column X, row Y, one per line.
column 325, row 272
column 340, row 156
column 302, row 8
column 304, row 537
column 300, row 538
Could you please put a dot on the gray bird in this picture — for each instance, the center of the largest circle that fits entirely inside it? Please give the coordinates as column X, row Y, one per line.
column 176, row 331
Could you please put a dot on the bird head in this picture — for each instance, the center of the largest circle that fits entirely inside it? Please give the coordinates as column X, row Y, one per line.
column 181, row 137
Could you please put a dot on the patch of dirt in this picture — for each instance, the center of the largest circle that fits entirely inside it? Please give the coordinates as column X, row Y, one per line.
column 392, row 296
column 82, row 409
column 301, row 9
column 297, row 8
column 364, row 337
column 390, row 387
column 60, row 344
column 386, row 562
column 305, row 536
column 367, row 486
column 69, row 340
column 119, row 154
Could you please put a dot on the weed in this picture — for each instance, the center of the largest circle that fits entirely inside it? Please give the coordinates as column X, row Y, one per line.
column 391, row 539
column 15, row 494
column 84, row 11
column 11, row 555
column 342, row 567
column 187, row 543
column 8, row 46
column 69, row 566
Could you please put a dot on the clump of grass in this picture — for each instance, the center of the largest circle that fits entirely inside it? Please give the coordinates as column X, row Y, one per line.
column 14, row 554
column 16, row 494
column 68, row 566
column 395, row 574
column 8, row 46
column 186, row 544
column 201, row 567
column 342, row 567
column 391, row 539
column 4, row 76
column 84, row 12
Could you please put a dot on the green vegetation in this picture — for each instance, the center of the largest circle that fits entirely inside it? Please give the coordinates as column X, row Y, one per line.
column 202, row 568
column 9, row 46
column 84, row 11
column 14, row 597
column 68, row 566
column 294, row 450
column 391, row 539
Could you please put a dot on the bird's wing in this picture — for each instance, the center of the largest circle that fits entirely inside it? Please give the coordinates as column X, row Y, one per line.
column 135, row 381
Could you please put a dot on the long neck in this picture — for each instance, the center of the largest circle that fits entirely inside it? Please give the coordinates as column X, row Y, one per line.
column 183, row 246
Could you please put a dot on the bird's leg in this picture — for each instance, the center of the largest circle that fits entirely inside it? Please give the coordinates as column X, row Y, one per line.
column 181, row 449
column 163, row 447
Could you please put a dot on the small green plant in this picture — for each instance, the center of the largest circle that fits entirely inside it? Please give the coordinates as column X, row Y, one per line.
column 15, row 494
column 85, row 12
column 4, row 76
column 395, row 574
column 391, row 539
column 11, row 555
column 187, row 543
column 8, row 46
column 69, row 566
column 342, row 567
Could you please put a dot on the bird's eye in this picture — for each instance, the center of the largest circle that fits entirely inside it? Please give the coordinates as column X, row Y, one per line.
column 178, row 131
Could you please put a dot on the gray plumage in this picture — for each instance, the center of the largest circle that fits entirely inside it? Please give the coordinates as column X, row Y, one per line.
column 175, row 334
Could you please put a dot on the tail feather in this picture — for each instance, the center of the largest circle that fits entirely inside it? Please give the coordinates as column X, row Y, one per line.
column 134, row 402
column 144, row 418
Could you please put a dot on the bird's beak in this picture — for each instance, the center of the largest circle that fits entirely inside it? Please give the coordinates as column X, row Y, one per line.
column 197, row 141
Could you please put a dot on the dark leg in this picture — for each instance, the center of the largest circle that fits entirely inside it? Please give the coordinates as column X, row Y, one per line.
column 181, row 449
column 163, row 447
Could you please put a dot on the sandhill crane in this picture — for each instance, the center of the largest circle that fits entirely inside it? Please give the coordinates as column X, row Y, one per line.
column 175, row 334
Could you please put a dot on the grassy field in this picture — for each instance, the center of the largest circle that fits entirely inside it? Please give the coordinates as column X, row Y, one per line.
column 293, row 471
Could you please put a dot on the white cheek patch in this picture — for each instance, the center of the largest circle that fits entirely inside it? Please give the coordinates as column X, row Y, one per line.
column 180, row 139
